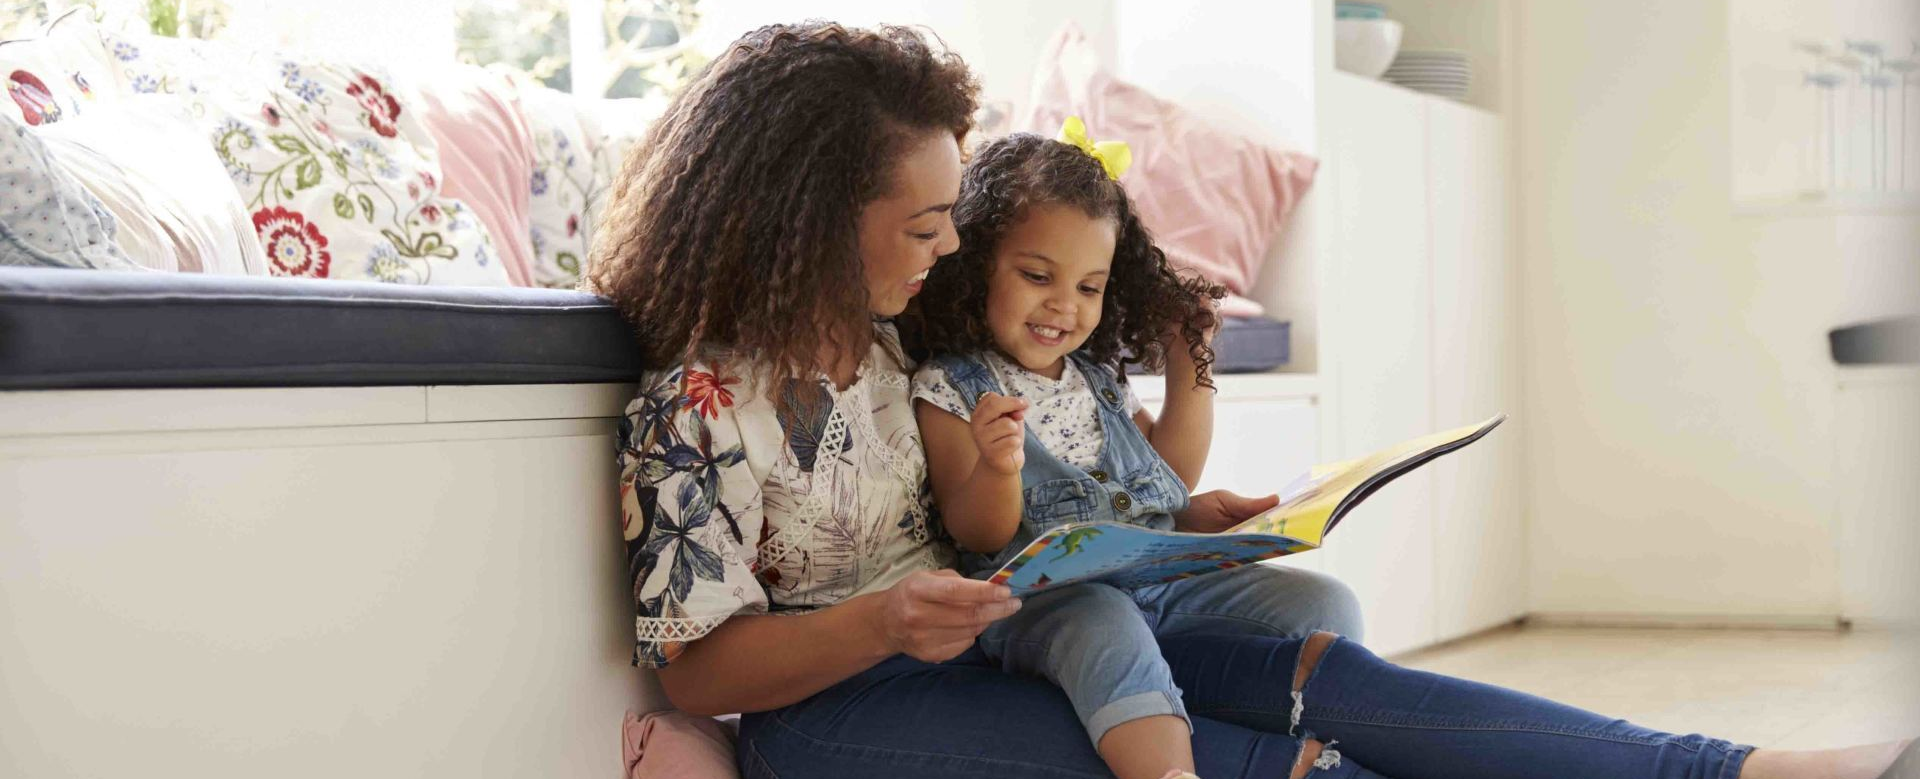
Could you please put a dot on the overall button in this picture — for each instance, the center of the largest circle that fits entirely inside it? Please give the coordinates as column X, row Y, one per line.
column 1098, row 475
column 1122, row 501
column 1110, row 395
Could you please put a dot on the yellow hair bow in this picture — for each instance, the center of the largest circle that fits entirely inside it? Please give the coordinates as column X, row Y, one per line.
column 1114, row 156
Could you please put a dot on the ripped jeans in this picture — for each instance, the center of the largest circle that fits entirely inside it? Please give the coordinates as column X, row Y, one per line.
column 1100, row 645
column 967, row 718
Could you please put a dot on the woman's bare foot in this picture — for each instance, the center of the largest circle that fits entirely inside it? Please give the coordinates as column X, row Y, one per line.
column 1870, row 761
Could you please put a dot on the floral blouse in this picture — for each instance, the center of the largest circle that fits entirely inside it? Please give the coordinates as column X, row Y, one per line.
column 737, row 500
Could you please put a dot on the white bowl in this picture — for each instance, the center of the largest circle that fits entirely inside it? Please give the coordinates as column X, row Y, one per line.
column 1365, row 47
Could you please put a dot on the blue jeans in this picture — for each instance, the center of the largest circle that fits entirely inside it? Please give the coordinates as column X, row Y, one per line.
column 1099, row 644
column 965, row 718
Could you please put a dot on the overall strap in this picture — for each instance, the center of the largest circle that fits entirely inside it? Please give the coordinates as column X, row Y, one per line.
column 1106, row 388
column 971, row 376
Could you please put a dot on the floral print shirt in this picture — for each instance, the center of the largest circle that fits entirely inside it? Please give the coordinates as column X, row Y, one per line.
column 738, row 500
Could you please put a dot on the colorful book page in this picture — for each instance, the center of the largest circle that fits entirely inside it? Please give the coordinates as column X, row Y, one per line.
column 1128, row 556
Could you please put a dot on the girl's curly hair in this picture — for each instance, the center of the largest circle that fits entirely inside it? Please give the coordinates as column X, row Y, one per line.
column 733, row 226
column 1144, row 296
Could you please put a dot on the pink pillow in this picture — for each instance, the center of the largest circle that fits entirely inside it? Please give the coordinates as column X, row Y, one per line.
column 1214, row 201
column 486, row 157
column 675, row 745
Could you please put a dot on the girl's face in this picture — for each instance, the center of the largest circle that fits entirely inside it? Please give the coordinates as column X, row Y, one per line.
column 905, row 231
column 1049, row 280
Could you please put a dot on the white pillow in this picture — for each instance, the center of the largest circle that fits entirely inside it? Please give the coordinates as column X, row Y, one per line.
column 145, row 158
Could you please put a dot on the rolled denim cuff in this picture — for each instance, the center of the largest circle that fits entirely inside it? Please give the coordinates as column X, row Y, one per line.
column 1133, row 707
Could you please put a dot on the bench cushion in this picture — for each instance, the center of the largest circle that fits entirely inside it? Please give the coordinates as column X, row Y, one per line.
column 79, row 329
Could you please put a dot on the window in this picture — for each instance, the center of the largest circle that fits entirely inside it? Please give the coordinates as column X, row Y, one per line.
column 602, row 48
column 174, row 18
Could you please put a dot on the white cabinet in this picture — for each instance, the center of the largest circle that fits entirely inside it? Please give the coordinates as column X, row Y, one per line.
column 1259, row 445
column 1418, row 335
column 1376, row 340
column 329, row 579
column 1479, row 540
column 1876, row 431
column 1265, row 432
column 1414, row 302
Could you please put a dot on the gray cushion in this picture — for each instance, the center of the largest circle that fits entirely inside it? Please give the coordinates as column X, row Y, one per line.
column 1251, row 345
column 68, row 328
column 1247, row 345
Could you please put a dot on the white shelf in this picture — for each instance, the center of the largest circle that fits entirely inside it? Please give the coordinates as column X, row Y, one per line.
column 1462, row 104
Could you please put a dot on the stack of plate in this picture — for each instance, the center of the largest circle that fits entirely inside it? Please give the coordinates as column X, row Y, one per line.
column 1440, row 72
column 1358, row 9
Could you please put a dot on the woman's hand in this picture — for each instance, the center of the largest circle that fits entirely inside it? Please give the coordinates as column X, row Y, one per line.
column 1212, row 512
column 999, row 433
column 935, row 615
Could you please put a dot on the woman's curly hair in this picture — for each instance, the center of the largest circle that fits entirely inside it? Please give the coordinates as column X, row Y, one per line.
column 1144, row 296
column 733, row 228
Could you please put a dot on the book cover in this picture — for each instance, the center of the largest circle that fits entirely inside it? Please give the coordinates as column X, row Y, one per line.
column 1130, row 556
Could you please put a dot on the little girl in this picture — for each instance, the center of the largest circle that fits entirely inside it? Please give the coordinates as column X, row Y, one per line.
column 1029, row 423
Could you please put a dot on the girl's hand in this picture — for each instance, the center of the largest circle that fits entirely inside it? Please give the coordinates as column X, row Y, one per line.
column 999, row 433
column 1174, row 340
column 933, row 616
column 1213, row 512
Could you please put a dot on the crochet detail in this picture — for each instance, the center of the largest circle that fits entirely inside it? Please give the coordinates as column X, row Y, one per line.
column 659, row 630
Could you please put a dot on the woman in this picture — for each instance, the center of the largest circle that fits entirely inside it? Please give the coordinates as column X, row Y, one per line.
column 774, row 487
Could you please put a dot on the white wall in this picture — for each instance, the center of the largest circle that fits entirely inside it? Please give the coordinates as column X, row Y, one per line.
column 1247, row 67
column 1679, row 394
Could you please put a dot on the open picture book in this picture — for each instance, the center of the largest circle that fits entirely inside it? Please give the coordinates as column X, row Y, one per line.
column 1129, row 556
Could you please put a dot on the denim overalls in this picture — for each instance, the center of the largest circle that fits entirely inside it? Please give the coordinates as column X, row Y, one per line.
column 1098, row 643
column 1129, row 482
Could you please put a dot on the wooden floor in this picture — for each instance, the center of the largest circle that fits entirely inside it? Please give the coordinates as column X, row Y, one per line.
column 1781, row 689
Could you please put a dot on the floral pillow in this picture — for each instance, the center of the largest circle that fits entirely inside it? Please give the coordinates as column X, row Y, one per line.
column 563, row 176
column 58, row 74
column 332, row 161
column 148, row 64
column 613, row 127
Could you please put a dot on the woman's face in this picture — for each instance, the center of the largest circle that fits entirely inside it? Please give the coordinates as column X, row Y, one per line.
column 904, row 232
column 1049, row 281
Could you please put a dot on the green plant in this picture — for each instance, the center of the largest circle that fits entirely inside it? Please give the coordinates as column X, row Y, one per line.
column 182, row 18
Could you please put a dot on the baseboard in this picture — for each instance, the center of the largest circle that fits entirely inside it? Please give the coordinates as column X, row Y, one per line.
column 1684, row 621
column 1503, row 627
column 1882, row 624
